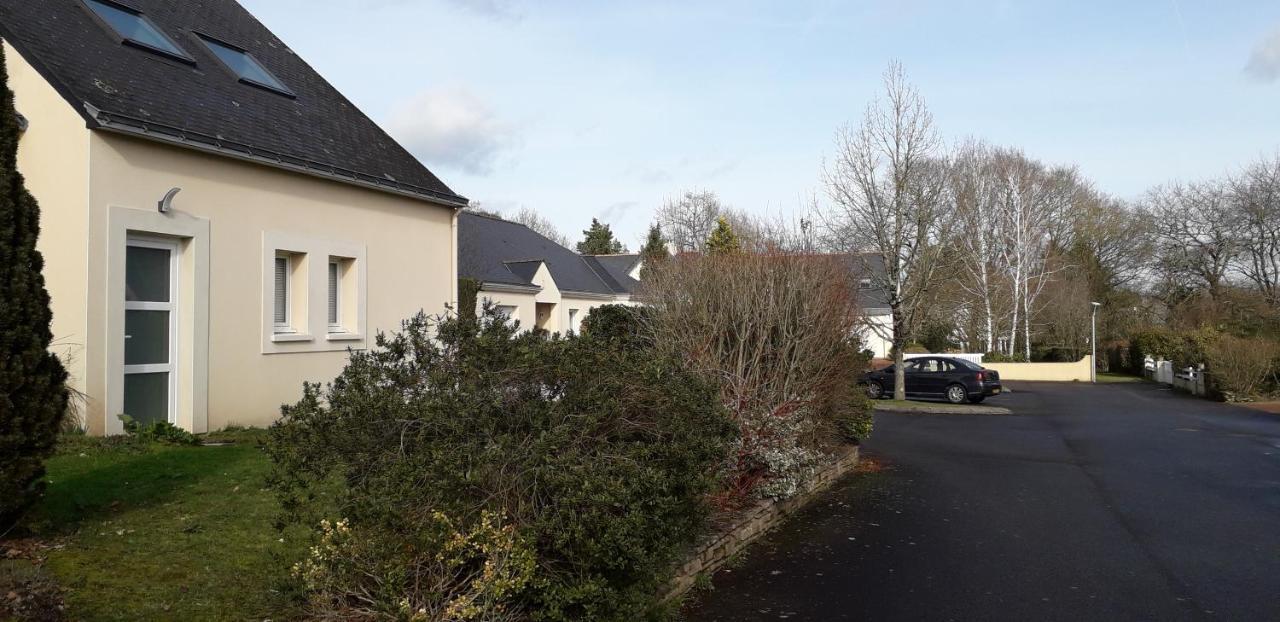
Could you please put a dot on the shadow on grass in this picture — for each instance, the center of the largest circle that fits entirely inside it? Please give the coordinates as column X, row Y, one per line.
column 84, row 487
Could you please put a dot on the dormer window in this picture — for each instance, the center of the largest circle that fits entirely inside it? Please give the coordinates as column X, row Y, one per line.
column 134, row 27
column 244, row 66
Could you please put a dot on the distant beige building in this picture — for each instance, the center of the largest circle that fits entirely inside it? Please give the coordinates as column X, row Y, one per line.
column 534, row 280
column 219, row 224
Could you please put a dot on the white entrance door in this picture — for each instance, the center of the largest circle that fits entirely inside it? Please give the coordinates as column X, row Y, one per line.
column 150, row 329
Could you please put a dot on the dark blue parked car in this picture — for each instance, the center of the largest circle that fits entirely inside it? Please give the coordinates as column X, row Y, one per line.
column 956, row 380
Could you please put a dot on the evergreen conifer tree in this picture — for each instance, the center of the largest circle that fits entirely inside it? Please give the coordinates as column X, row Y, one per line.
column 33, row 393
column 654, row 250
column 599, row 240
column 723, row 240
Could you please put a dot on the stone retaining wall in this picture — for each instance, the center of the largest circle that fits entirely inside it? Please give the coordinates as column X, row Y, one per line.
column 756, row 521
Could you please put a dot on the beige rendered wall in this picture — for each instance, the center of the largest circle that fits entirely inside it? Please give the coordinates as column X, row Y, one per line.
column 524, row 304
column 1047, row 372
column 583, row 305
column 53, row 157
column 409, row 248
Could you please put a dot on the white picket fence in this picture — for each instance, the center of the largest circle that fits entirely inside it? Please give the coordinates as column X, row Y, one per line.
column 1189, row 379
column 972, row 358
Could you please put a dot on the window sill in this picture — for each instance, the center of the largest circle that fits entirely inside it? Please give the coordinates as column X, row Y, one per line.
column 344, row 337
column 290, row 337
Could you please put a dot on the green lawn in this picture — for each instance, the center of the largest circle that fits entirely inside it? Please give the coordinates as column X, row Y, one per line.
column 165, row 532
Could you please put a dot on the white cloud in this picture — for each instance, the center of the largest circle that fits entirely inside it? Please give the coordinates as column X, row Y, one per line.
column 647, row 174
column 498, row 9
column 617, row 211
column 453, row 128
column 1264, row 63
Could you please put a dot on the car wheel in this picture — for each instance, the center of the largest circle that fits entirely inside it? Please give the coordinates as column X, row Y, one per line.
column 957, row 394
column 874, row 390
column 977, row 399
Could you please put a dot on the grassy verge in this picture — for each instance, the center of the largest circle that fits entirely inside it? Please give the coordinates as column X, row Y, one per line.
column 914, row 403
column 1114, row 378
column 149, row 532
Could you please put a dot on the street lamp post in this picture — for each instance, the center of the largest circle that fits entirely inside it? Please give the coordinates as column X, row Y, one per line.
column 1093, row 343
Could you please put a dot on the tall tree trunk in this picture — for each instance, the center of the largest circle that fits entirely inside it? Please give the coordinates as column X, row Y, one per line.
column 1026, row 322
column 1013, row 326
column 899, row 344
column 986, row 301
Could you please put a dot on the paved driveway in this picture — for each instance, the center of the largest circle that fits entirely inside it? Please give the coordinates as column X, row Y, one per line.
column 1109, row 502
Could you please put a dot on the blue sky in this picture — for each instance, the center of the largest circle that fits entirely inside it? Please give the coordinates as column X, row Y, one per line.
column 603, row 109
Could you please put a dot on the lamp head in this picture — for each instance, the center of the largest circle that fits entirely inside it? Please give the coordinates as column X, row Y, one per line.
column 166, row 204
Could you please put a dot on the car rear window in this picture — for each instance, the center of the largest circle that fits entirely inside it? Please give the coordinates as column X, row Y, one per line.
column 968, row 364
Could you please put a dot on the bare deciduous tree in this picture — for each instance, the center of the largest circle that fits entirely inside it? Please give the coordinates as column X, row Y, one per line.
column 1195, row 236
column 1030, row 215
column 886, row 186
column 1256, row 194
column 539, row 223
column 973, row 191
column 689, row 220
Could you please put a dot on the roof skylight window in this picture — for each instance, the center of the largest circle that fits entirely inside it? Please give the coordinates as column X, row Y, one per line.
column 245, row 66
column 135, row 28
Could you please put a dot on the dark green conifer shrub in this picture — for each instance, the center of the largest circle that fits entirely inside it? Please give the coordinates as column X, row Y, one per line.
column 33, row 393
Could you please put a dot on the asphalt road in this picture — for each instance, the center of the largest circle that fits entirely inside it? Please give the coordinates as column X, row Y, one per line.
column 1109, row 502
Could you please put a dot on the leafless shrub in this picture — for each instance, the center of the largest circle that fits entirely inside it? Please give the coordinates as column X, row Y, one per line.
column 73, row 419
column 775, row 331
column 1243, row 367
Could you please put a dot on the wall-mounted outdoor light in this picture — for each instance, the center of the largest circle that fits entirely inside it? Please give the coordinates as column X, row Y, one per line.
column 166, row 203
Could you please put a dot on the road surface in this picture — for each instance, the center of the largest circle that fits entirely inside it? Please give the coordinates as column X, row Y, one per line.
column 1107, row 502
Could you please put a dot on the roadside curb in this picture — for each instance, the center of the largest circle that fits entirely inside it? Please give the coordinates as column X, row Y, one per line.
column 939, row 409
column 715, row 550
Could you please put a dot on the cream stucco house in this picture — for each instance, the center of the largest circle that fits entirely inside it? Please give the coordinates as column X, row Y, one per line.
column 535, row 281
column 219, row 223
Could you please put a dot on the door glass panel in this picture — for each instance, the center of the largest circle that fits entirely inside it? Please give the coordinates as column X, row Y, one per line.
column 146, row 340
column 147, row 274
column 146, row 397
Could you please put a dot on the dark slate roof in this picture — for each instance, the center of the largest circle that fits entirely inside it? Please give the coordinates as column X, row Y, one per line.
column 869, row 266
column 614, row 269
column 493, row 250
column 119, row 87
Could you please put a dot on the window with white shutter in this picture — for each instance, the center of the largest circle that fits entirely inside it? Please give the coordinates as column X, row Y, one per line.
column 281, row 298
column 313, row 294
column 335, row 296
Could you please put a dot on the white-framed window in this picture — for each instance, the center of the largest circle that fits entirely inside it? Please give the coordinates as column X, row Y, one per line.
column 864, row 284
column 314, row 296
column 341, row 299
column 507, row 311
column 334, row 310
column 282, row 295
column 573, row 320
